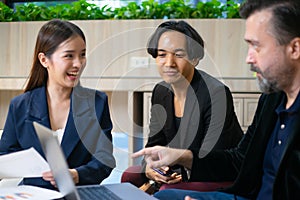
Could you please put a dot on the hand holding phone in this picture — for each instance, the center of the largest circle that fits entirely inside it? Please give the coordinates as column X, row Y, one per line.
column 163, row 172
column 166, row 175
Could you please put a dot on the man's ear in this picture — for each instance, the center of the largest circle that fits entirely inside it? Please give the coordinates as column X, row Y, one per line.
column 294, row 49
column 195, row 61
column 43, row 60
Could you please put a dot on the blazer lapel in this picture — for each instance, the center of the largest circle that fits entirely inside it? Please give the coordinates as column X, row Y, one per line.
column 189, row 122
column 80, row 112
column 265, row 126
column 38, row 107
column 37, row 111
column 70, row 138
column 267, row 122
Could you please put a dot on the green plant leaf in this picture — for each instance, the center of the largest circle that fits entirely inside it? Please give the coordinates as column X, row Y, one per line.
column 6, row 13
column 151, row 9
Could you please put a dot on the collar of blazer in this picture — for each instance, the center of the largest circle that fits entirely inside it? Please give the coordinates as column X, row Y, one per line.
column 38, row 106
column 38, row 111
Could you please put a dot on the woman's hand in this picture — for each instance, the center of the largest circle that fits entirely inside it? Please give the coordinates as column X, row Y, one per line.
column 48, row 176
column 188, row 198
column 74, row 175
column 168, row 179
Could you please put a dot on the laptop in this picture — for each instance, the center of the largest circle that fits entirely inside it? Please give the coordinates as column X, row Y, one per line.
column 64, row 181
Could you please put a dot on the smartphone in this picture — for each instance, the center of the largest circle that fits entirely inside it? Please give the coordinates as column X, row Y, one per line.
column 161, row 172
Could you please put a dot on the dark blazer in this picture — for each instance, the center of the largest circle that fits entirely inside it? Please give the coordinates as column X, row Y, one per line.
column 249, row 155
column 209, row 121
column 89, row 111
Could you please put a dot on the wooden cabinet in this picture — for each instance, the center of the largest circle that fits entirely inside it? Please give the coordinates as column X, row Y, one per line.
column 245, row 107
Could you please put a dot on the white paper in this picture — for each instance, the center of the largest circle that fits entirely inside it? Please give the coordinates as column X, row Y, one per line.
column 29, row 193
column 25, row 163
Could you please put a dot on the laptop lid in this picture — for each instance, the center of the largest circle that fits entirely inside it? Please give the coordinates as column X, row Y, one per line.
column 56, row 161
column 63, row 179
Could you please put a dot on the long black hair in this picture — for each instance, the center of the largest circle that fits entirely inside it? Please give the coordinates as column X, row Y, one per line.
column 50, row 36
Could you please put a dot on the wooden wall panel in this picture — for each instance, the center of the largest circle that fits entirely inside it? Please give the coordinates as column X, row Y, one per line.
column 112, row 43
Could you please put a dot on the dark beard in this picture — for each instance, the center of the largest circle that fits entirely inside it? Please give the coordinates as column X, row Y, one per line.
column 264, row 84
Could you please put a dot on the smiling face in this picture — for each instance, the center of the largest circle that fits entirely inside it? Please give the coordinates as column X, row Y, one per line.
column 66, row 64
column 265, row 55
column 172, row 60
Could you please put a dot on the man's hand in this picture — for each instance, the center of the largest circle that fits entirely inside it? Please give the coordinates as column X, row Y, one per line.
column 159, row 156
column 153, row 175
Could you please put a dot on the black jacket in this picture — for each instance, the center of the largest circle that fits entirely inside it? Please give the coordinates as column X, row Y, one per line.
column 209, row 121
column 248, row 156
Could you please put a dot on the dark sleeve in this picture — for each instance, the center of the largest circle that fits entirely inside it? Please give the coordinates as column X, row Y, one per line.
column 9, row 142
column 224, row 165
column 222, row 129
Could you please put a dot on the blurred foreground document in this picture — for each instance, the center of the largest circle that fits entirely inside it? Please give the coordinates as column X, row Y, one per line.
column 26, row 163
column 29, row 193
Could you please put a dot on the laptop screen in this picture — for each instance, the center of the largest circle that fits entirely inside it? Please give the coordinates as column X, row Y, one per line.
column 56, row 161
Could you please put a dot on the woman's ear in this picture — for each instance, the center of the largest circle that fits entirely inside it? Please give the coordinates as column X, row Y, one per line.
column 43, row 60
column 294, row 49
